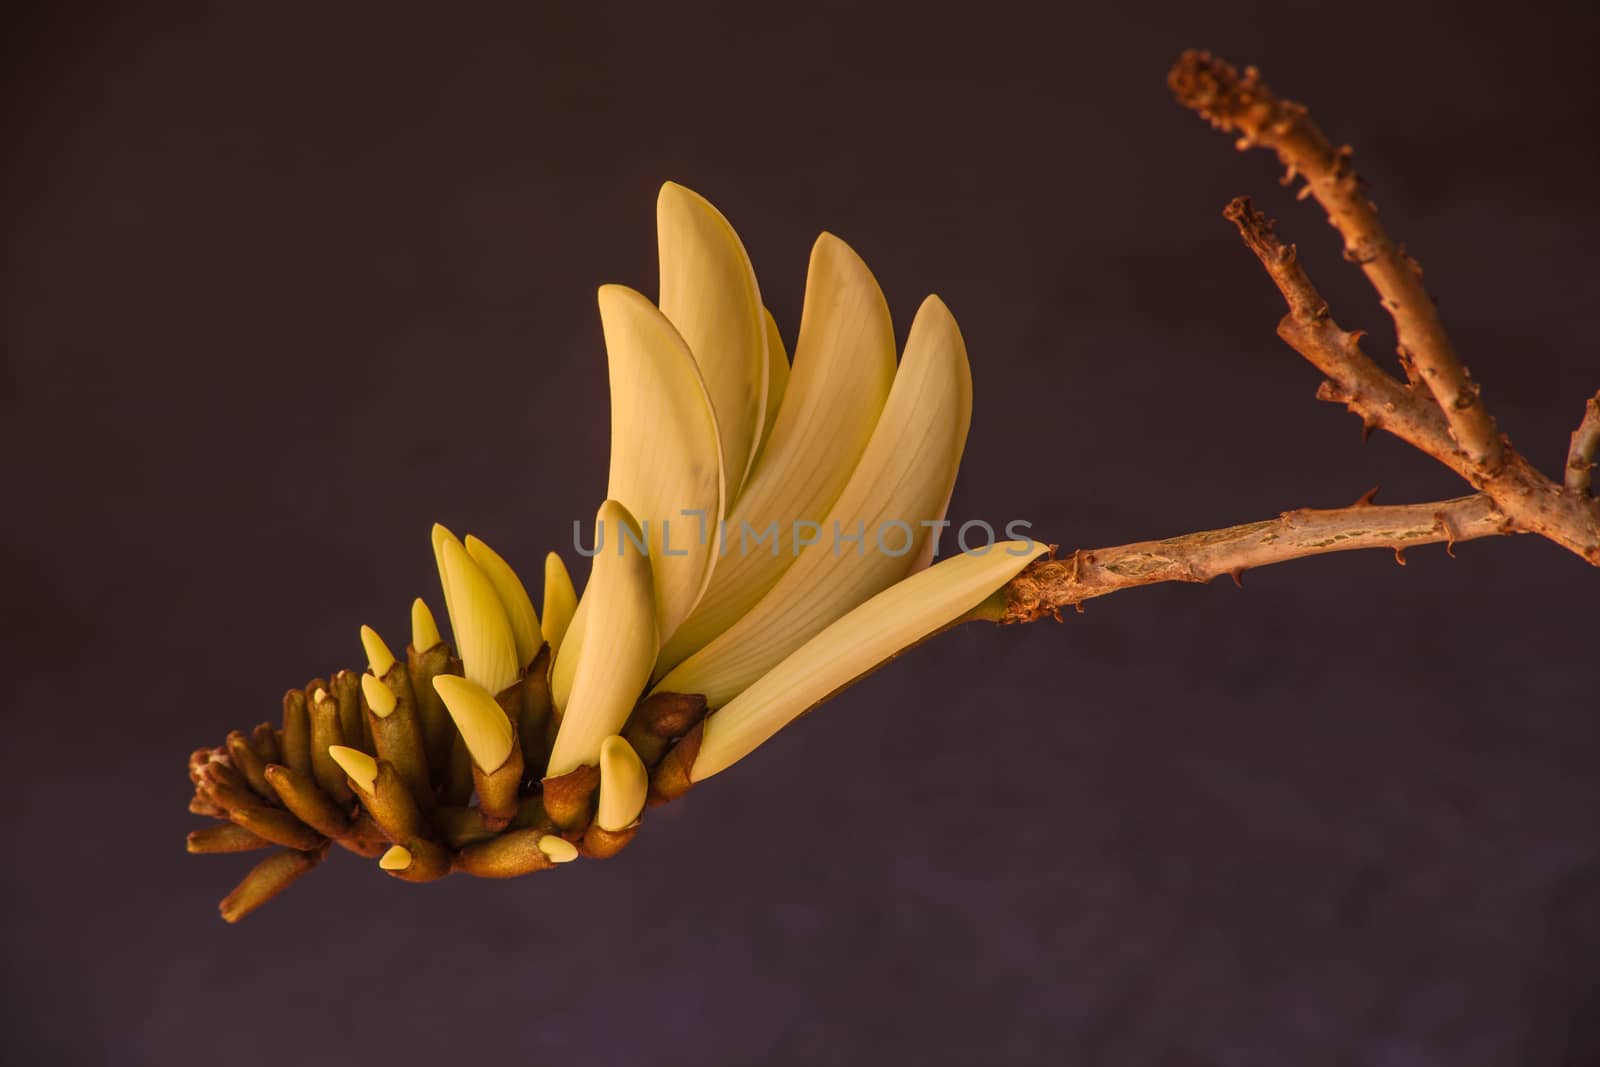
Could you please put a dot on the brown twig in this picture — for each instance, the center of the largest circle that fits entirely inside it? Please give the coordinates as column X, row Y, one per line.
column 1244, row 103
column 1472, row 447
column 1049, row 585
column 1585, row 443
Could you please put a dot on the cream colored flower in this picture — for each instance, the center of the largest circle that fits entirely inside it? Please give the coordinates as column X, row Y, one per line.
column 767, row 529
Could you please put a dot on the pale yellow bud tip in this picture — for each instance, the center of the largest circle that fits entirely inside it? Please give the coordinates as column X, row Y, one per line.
column 319, row 696
column 380, row 698
column 424, row 631
column 483, row 724
column 362, row 768
column 624, row 784
column 558, row 849
column 398, row 858
column 379, row 658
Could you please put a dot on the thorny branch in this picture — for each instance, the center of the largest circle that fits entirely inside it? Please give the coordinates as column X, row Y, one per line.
column 1437, row 410
column 1049, row 585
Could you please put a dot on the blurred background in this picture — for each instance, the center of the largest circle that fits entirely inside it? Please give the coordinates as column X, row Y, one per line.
column 284, row 284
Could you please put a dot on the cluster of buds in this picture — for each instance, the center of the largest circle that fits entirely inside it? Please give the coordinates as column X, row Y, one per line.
column 414, row 765
column 539, row 736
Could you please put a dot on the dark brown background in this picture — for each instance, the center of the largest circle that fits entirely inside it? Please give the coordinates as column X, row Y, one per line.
column 284, row 285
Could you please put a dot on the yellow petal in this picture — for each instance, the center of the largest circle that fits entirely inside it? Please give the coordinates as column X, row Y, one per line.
column 558, row 849
column 560, row 601
column 565, row 667
column 843, row 370
column 380, row 698
column 513, row 598
column 479, row 718
column 397, row 858
column 619, row 644
column 666, row 463
column 361, row 768
column 623, row 785
column 884, row 626
column 709, row 292
column 777, row 383
column 441, row 537
column 903, row 478
column 379, row 658
column 478, row 622
column 424, row 631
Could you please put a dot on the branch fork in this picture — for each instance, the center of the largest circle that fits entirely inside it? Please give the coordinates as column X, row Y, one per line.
column 1438, row 408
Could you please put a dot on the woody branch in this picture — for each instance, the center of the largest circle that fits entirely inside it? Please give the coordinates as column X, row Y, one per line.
column 1438, row 408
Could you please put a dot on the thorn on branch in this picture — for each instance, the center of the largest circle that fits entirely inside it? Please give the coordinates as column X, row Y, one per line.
column 1449, row 533
column 1365, row 499
column 1400, row 555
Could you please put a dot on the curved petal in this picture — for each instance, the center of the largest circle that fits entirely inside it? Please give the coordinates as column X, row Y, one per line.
column 843, row 371
column 619, row 647
column 903, row 478
column 666, row 462
column 513, row 598
column 777, row 382
column 709, row 292
column 560, row 601
column 478, row 623
column 884, row 626
column 564, row 667
column 479, row 718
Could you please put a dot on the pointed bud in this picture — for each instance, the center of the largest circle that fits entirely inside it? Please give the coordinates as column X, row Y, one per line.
column 266, row 880
column 362, row 768
column 483, row 635
column 398, row 858
column 227, row 837
column 481, row 721
column 623, row 785
column 277, row 826
column 380, row 698
column 558, row 849
column 326, row 732
column 513, row 598
column 379, row 658
column 560, row 600
column 424, row 631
